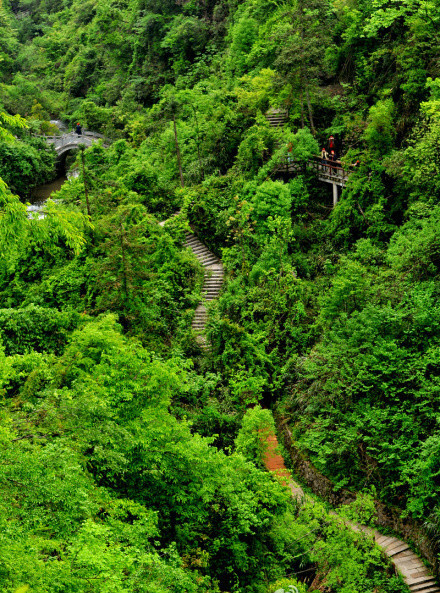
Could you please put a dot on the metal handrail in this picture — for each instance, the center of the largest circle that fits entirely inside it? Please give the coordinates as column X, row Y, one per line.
column 330, row 170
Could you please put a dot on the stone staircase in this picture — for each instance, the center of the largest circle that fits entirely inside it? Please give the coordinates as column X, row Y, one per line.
column 212, row 283
column 415, row 574
column 277, row 117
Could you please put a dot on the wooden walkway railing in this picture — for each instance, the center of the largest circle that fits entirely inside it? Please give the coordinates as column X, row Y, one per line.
column 329, row 172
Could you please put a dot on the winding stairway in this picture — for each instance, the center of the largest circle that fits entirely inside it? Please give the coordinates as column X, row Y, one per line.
column 212, row 283
column 277, row 117
column 415, row 574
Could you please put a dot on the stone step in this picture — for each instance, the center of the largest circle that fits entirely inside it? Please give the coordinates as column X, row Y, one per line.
column 430, row 587
column 396, row 549
column 207, row 260
column 421, row 581
column 276, row 117
column 206, row 255
column 424, row 587
column 411, row 563
column 199, row 249
column 403, row 556
column 386, row 540
column 416, row 573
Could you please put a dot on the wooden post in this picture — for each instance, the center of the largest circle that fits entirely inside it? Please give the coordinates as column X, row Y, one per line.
column 335, row 194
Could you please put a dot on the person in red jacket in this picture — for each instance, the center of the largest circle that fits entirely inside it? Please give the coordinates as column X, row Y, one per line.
column 331, row 143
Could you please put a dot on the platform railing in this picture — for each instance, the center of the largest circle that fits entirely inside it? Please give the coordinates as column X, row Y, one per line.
column 329, row 171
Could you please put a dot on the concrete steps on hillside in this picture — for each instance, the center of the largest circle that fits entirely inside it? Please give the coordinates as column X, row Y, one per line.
column 277, row 117
column 212, row 284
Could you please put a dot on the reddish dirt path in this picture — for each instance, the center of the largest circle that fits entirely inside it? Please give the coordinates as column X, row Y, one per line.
column 274, row 461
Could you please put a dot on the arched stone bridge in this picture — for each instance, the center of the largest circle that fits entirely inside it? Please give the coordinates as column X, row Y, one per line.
column 71, row 141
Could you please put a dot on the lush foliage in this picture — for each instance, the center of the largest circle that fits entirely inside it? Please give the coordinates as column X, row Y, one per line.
column 131, row 456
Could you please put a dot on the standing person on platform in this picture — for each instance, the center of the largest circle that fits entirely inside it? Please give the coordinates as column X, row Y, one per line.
column 332, row 159
column 78, row 129
column 331, row 143
column 324, row 157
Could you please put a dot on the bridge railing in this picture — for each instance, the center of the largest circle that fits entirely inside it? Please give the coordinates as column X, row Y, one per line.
column 73, row 139
column 331, row 171
column 63, row 137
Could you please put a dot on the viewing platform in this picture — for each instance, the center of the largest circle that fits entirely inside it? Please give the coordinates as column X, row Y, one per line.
column 328, row 172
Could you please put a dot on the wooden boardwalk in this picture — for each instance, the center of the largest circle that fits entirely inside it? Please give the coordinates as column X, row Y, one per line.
column 415, row 574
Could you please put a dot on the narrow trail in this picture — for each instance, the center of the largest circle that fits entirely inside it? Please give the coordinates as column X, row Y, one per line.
column 415, row 574
column 212, row 283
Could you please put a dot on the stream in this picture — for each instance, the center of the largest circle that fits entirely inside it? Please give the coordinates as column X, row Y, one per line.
column 41, row 193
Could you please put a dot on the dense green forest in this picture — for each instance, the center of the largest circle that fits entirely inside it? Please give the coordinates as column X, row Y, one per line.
column 130, row 454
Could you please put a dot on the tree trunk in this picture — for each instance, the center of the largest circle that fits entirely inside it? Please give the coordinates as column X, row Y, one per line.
column 302, row 108
column 179, row 161
column 309, row 106
column 124, row 267
column 198, row 144
column 86, row 191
